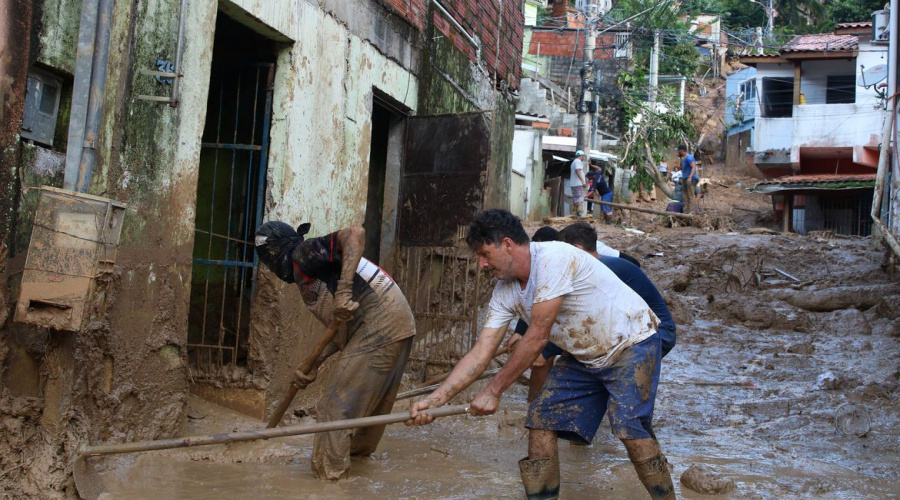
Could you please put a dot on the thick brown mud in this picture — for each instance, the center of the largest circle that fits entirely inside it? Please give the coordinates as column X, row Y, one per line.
column 784, row 381
column 783, row 400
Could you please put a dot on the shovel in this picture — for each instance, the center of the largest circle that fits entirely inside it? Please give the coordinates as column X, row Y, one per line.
column 90, row 486
column 303, row 369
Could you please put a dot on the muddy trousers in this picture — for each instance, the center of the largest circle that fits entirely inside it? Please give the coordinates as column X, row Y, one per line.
column 365, row 385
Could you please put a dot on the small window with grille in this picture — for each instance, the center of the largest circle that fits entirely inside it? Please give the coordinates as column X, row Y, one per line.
column 623, row 45
column 41, row 107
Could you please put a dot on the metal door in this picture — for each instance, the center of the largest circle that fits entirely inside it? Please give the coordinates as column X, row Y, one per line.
column 446, row 164
column 230, row 194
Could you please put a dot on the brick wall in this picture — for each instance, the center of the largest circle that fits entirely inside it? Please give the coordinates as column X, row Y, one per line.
column 499, row 24
column 413, row 11
column 565, row 43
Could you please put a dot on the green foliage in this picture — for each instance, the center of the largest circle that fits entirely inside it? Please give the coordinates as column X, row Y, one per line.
column 848, row 11
column 794, row 16
column 660, row 131
column 678, row 53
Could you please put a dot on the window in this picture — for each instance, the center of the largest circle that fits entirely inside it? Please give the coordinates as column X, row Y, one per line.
column 41, row 107
column 623, row 45
column 748, row 89
column 841, row 89
column 778, row 97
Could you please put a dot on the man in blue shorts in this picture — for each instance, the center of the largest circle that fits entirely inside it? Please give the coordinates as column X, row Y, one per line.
column 611, row 355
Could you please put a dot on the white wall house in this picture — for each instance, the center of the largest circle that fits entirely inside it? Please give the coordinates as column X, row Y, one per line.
column 811, row 113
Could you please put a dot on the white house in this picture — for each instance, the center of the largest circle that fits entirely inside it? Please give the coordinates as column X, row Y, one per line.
column 819, row 112
column 813, row 115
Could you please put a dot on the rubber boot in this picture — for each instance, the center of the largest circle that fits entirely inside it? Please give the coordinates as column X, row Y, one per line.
column 540, row 478
column 654, row 475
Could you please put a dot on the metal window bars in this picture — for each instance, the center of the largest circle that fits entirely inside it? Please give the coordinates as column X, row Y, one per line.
column 230, row 194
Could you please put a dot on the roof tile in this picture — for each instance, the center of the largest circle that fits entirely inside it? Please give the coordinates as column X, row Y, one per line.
column 821, row 42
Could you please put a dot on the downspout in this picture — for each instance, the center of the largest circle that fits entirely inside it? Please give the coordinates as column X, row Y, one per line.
column 176, row 81
column 90, row 87
column 472, row 38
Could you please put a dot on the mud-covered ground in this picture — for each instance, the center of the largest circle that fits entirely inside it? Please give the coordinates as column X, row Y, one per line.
column 786, row 385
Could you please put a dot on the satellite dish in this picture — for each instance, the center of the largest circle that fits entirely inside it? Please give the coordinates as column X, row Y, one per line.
column 872, row 75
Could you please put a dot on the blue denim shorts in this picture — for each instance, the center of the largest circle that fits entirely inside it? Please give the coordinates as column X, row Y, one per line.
column 575, row 398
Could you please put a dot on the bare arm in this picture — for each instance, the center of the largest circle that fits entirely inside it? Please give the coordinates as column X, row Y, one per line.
column 352, row 240
column 469, row 368
column 543, row 315
column 691, row 173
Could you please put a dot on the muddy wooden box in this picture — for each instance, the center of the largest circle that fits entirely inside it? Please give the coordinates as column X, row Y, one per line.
column 70, row 257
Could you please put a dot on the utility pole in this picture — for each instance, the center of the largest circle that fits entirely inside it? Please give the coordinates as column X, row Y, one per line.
column 654, row 70
column 586, row 107
column 770, row 10
column 759, row 41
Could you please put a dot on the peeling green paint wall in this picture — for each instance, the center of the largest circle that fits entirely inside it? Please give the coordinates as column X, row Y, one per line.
column 451, row 83
column 58, row 34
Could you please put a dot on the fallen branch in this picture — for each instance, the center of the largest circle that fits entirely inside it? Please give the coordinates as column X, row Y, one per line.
column 647, row 210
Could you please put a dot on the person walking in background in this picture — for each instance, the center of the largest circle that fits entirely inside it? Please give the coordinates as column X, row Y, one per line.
column 578, row 183
column 690, row 178
column 600, row 189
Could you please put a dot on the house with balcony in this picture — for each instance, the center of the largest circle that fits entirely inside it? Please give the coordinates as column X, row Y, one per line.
column 814, row 112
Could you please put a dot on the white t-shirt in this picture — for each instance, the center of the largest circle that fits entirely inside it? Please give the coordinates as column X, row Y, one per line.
column 599, row 316
column 606, row 250
column 574, row 180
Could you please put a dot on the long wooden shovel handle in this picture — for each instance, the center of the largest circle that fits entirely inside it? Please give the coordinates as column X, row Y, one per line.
column 303, row 369
column 234, row 437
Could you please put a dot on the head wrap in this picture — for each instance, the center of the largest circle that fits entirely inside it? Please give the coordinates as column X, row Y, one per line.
column 275, row 244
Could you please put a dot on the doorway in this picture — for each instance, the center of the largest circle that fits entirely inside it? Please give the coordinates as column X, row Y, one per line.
column 385, row 160
column 230, row 194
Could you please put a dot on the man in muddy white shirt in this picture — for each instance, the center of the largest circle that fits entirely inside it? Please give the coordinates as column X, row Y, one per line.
column 611, row 353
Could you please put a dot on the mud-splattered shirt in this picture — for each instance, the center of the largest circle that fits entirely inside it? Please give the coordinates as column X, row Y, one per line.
column 383, row 315
column 599, row 316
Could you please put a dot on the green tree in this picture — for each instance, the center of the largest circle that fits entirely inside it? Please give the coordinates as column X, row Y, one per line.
column 848, row 11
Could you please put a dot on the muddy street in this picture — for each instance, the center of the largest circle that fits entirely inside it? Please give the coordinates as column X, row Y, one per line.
column 785, row 387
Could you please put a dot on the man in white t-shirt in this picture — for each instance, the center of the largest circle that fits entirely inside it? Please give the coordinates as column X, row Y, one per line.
column 578, row 183
column 611, row 354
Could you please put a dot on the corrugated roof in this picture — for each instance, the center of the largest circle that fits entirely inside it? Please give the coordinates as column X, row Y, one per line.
column 821, row 43
column 822, row 182
column 859, row 24
column 819, row 179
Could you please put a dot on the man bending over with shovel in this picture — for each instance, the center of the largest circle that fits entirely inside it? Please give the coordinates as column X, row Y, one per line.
column 611, row 353
column 338, row 284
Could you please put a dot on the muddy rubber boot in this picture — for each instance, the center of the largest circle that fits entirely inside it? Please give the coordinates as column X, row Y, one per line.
column 540, row 478
column 654, row 475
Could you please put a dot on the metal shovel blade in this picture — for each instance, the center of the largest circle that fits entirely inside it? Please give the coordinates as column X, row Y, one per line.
column 87, row 480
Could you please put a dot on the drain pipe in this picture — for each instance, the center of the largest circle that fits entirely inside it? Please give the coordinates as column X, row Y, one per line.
column 472, row 38
column 176, row 82
column 88, row 93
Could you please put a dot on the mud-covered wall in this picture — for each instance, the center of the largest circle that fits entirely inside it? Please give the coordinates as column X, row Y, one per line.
column 123, row 377
column 453, row 83
column 318, row 166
